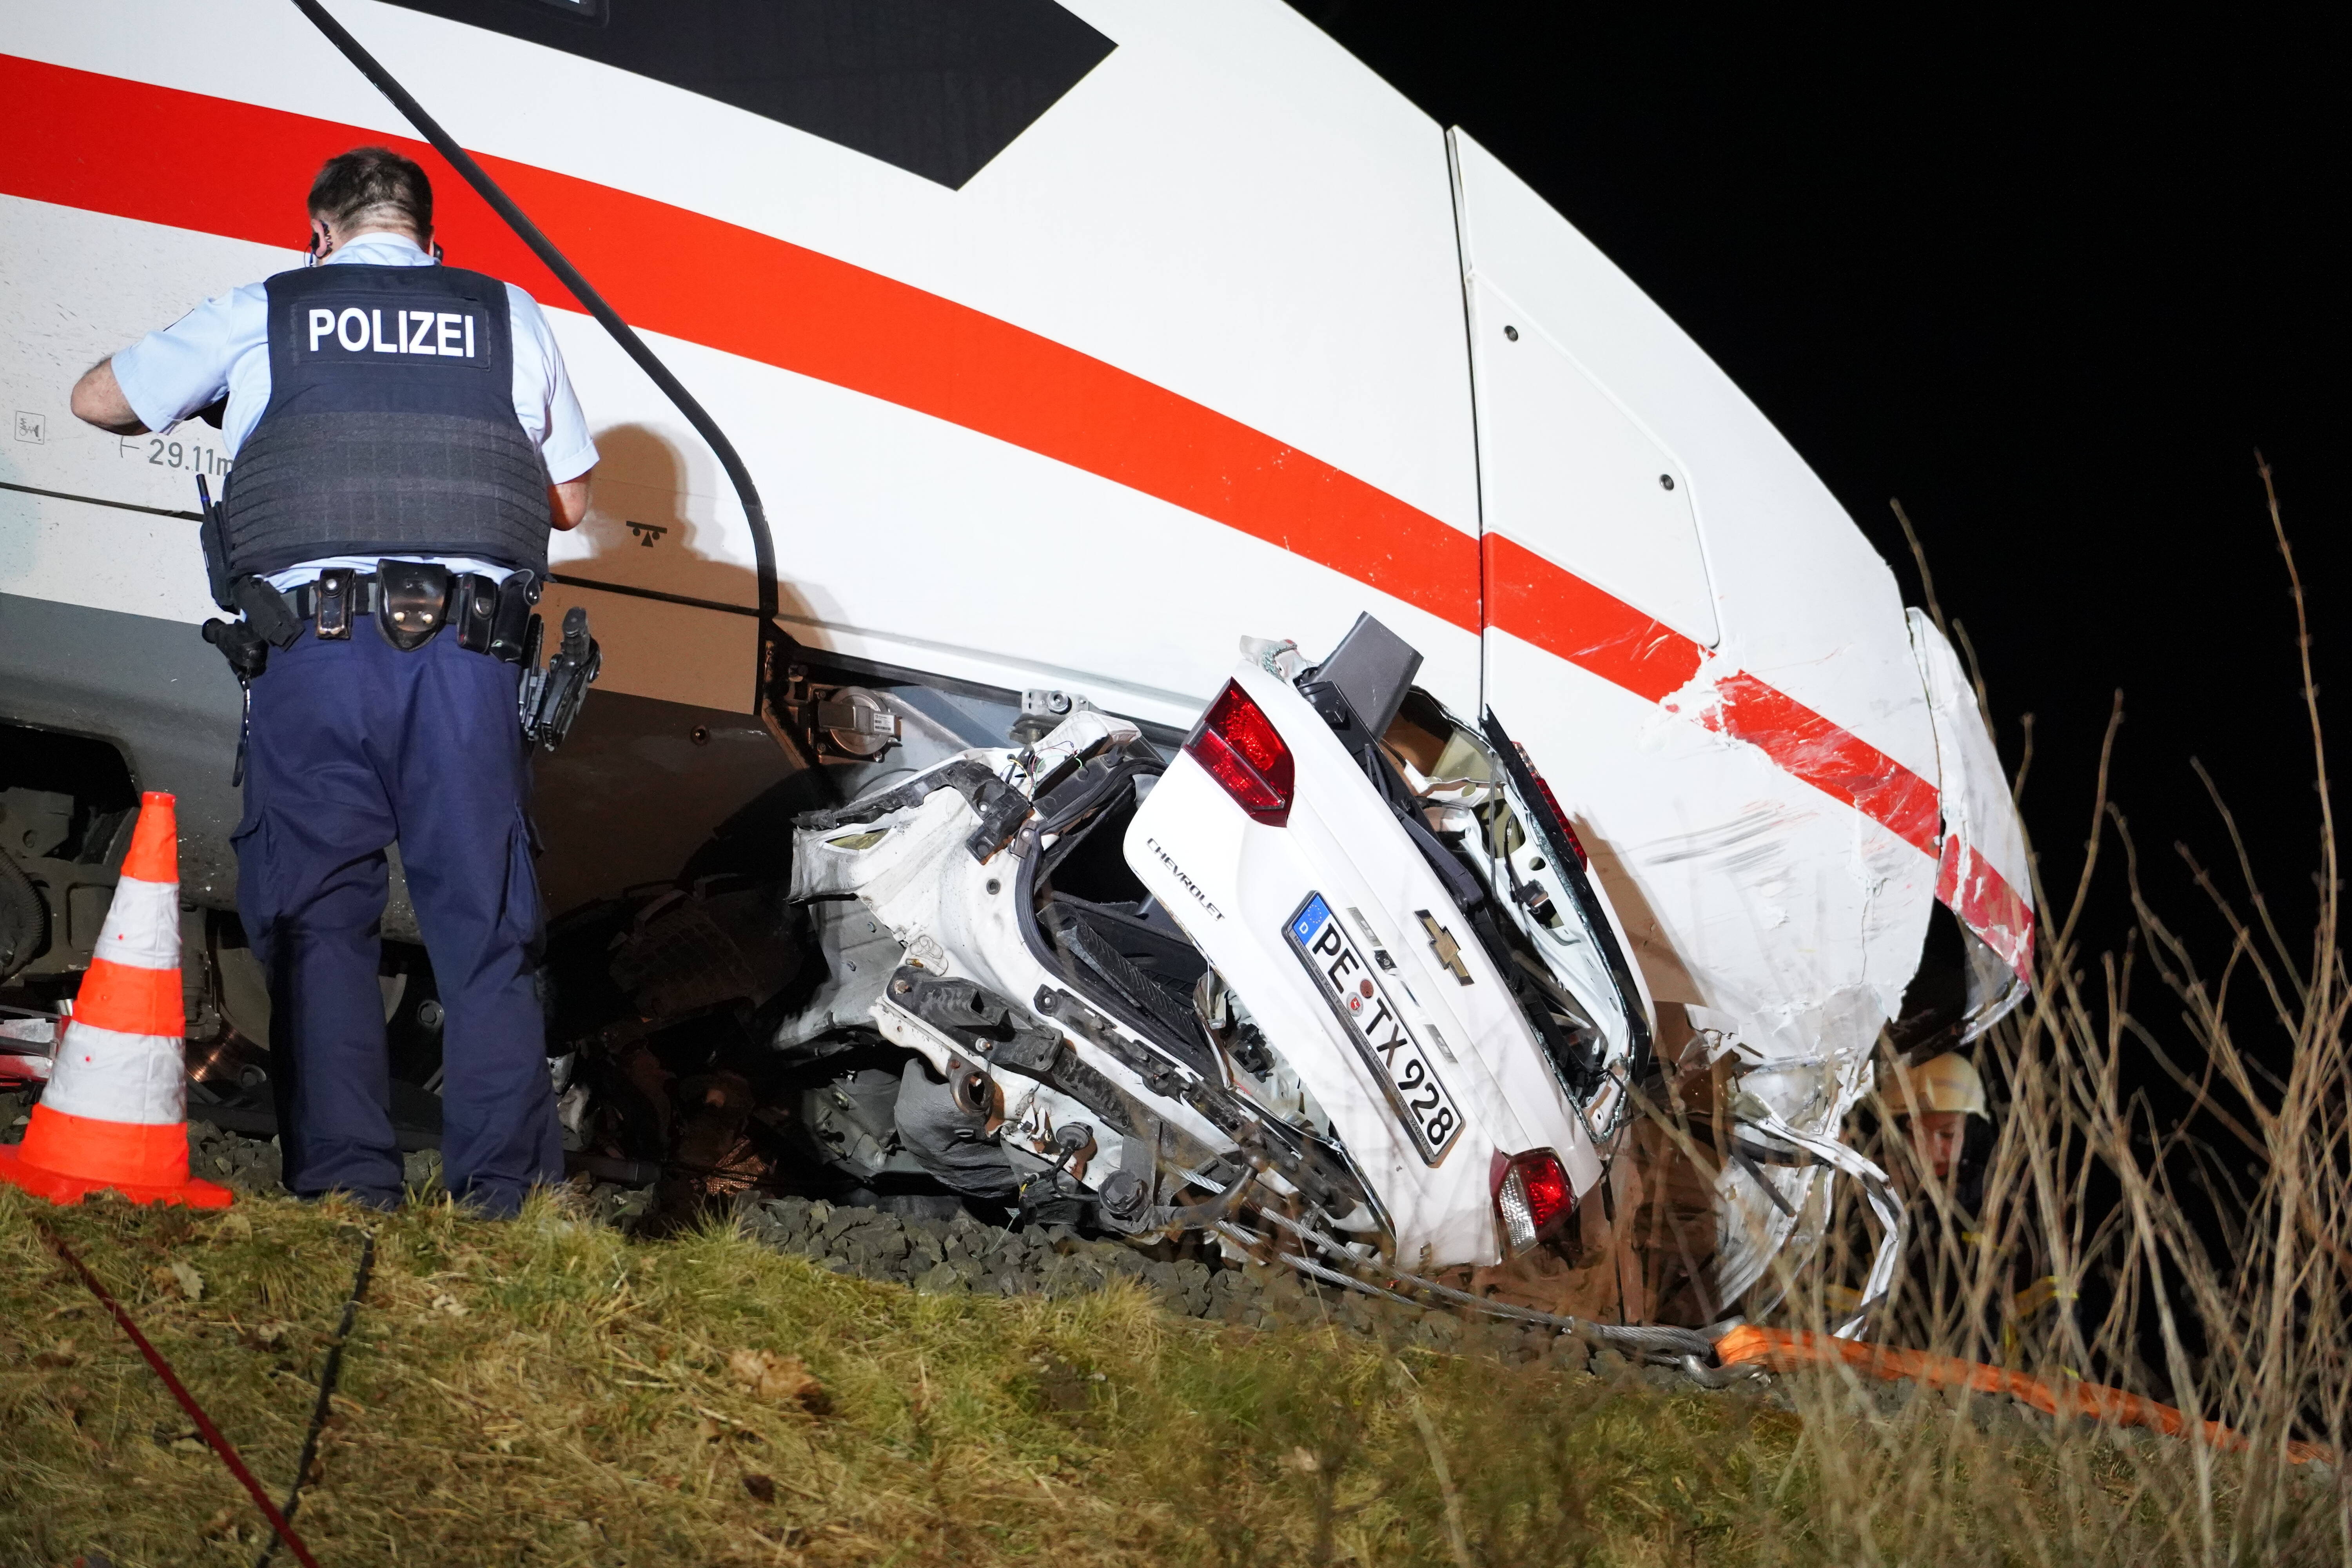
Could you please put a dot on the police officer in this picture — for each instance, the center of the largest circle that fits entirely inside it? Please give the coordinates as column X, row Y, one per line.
column 404, row 436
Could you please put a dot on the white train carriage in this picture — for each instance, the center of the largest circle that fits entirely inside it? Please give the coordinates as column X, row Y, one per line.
column 1068, row 343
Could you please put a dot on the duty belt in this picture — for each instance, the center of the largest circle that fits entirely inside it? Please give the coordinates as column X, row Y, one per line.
column 412, row 601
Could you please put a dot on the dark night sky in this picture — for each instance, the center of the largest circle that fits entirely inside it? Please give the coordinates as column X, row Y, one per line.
column 2049, row 282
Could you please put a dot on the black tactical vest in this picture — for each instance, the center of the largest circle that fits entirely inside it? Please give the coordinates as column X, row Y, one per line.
column 391, row 428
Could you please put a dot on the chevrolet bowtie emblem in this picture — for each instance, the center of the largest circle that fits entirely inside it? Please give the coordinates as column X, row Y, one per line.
column 1449, row 952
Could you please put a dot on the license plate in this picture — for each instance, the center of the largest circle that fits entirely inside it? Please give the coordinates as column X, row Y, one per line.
column 1379, row 1030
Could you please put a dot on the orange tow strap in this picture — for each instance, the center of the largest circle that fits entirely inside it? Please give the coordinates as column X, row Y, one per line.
column 1785, row 1352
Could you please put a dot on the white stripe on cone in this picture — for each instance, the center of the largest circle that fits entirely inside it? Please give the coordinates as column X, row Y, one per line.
column 107, row 1076
column 142, row 925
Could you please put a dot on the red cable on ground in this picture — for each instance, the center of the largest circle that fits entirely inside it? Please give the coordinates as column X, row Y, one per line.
column 221, row 1445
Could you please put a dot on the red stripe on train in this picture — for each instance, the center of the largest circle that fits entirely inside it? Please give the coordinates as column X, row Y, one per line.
column 1987, row 904
column 1594, row 630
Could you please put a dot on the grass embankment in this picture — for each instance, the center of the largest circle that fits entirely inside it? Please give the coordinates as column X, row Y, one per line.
column 549, row 1392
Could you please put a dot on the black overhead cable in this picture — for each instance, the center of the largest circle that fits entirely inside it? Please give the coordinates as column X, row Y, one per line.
column 325, row 1407
column 763, row 546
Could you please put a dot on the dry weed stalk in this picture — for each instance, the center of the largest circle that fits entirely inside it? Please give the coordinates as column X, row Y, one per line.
column 2197, row 1251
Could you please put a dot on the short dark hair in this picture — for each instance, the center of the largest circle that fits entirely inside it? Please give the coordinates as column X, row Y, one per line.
column 373, row 185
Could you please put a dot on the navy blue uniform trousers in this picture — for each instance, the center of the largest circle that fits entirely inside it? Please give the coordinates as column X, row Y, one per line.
column 355, row 745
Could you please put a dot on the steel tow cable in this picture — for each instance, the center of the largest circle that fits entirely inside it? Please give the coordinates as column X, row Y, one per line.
column 1653, row 1340
column 212, row 1434
column 1650, row 1340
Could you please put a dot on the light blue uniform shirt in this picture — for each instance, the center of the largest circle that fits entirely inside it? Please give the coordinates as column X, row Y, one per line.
column 223, row 347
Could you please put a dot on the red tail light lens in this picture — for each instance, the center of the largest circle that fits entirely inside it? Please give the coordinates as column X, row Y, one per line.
column 1533, row 1199
column 1237, row 744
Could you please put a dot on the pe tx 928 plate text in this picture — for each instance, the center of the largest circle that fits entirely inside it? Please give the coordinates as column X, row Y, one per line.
column 1379, row 1030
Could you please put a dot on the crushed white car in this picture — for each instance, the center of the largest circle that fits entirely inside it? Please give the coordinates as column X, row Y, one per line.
column 1340, row 960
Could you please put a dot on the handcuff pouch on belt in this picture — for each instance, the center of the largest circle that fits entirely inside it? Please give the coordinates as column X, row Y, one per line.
column 412, row 602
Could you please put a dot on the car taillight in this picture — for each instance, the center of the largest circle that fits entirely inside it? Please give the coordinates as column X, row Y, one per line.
column 1575, row 844
column 1533, row 1198
column 1237, row 744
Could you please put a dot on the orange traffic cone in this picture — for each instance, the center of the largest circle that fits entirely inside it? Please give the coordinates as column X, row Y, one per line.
column 115, row 1113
